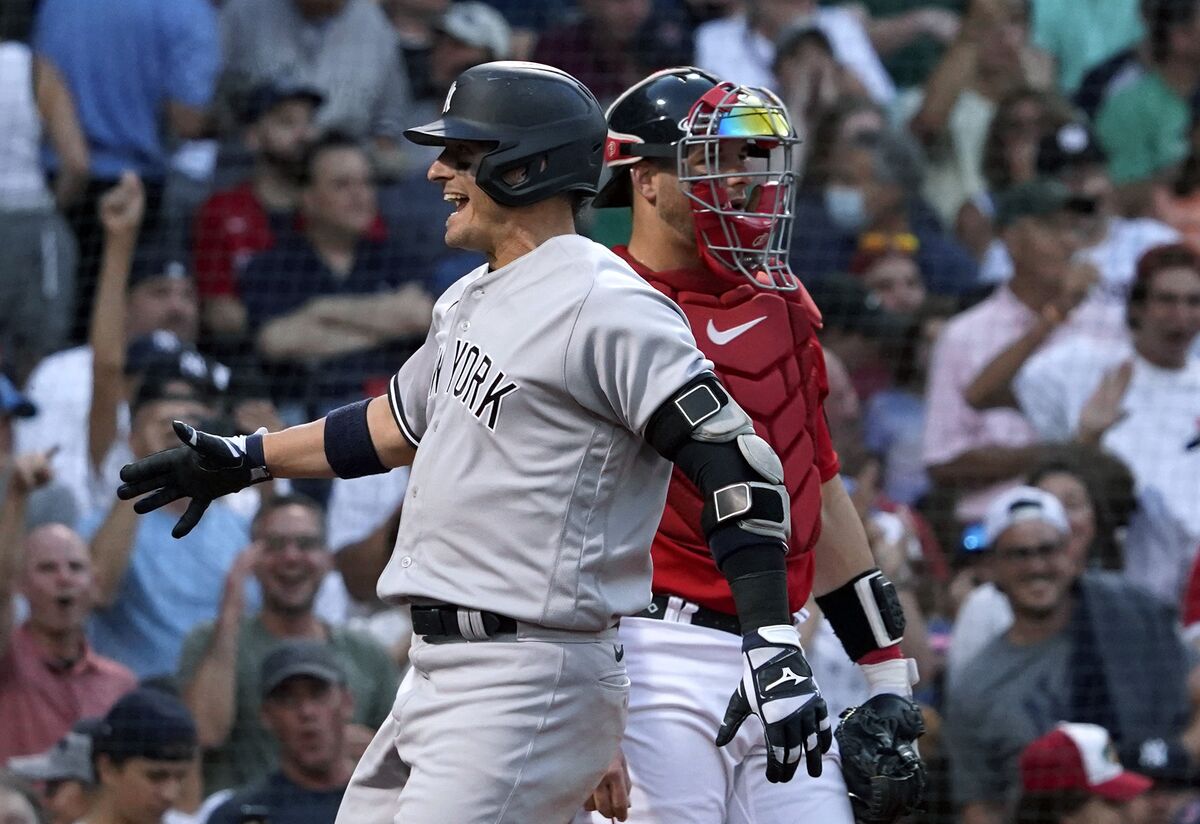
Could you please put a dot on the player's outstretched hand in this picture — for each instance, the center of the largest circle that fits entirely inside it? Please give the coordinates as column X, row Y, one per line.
column 203, row 469
column 778, row 686
column 883, row 771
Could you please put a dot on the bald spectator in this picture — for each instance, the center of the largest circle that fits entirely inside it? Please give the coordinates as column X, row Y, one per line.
column 131, row 68
column 49, row 675
column 345, row 49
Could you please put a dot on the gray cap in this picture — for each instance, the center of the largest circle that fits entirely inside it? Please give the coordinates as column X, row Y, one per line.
column 70, row 759
column 292, row 658
column 1035, row 198
column 479, row 25
column 1023, row 503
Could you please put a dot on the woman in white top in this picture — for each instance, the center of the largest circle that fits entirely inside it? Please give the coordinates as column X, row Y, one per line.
column 38, row 261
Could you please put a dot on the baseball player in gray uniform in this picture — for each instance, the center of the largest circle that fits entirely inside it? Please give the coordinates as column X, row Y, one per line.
column 541, row 418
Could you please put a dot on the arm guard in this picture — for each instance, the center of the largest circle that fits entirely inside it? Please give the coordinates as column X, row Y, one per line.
column 747, row 510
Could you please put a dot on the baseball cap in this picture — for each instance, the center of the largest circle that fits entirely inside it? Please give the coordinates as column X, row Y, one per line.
column 293, row 658
column 69, row 759
column 1071, row 145
column 266, row 96
column 13, row 402
column 151, row 262
column 192, row 378
column 147, row 723
column 1024, row 503
column 1079, row 757
column 1035, row 198
column 163, row 355
column 479, row 25
column 847, row 305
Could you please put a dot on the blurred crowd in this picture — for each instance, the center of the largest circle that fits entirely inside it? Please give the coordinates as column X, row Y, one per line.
column 208, row 212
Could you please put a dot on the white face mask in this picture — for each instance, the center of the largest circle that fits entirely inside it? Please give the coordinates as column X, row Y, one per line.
column 846, row 206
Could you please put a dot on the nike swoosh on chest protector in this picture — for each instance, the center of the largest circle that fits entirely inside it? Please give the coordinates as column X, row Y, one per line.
column 720, row 338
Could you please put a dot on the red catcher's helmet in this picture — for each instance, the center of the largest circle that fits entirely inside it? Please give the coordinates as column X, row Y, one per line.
column 741, row 206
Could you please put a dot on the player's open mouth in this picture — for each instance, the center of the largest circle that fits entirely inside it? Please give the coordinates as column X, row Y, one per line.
column 459, row 201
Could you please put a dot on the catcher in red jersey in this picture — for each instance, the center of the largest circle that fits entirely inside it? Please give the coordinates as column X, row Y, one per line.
column 705, row 167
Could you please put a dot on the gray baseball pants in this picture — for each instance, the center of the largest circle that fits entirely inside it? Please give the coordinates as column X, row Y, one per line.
column 515, row 729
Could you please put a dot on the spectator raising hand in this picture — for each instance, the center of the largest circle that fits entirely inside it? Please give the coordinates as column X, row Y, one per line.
column 122, row 208
column 1105, row 407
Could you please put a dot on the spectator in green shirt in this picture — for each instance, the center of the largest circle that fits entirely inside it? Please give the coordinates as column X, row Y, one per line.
column 1144, row 124
column 1081, row 35
column 221, row 661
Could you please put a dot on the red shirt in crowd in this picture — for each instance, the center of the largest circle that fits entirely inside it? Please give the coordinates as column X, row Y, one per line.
column 41, row 698
column 231, row 227
column 765, row 350
column 1189, row 614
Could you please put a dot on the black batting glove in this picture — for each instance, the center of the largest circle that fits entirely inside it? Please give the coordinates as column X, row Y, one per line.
column 203, row 469
column 778, row 686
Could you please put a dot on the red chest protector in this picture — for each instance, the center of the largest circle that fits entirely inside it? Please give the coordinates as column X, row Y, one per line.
column 765, row 350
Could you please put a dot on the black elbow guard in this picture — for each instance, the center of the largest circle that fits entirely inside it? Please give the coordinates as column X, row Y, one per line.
column 708, row 436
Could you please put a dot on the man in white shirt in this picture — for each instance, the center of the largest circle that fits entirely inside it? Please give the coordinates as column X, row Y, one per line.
column 1140, row 401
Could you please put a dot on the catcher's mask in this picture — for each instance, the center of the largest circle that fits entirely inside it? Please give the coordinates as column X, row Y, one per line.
column 733, row 154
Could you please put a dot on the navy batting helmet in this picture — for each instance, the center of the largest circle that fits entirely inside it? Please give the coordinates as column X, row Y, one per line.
column 538, row 118
column 648, row 120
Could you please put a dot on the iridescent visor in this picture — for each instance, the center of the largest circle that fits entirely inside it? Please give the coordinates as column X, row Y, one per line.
column 753, row 121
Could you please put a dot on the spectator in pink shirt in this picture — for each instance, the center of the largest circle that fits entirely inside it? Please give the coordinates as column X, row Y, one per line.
column 979, row 451
column 49, row 676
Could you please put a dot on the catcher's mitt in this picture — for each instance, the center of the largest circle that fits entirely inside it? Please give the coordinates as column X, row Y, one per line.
column 883, row 772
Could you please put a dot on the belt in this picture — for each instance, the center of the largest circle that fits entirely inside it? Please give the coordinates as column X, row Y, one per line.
column 447, row 621
column 675, row 609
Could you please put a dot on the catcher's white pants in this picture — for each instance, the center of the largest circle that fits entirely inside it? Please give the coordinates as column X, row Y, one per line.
column 494, row 732
column 682, row 676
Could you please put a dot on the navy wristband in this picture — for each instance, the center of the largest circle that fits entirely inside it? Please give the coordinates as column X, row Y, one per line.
column 348, row 445
column 254, row 451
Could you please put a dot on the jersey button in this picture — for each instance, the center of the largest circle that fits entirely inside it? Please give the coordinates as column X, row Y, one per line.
column 465, row 325
column 406, row 562
column 478, row 293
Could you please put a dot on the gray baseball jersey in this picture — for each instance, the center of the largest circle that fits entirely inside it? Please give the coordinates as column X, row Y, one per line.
column 533, row 493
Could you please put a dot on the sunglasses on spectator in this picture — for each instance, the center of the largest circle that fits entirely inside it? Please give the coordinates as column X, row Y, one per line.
column 305, row 543
column 1028, row 553
column 904, row 242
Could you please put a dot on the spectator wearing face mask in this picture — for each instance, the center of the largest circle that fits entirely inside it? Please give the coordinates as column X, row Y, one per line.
column 871, row 193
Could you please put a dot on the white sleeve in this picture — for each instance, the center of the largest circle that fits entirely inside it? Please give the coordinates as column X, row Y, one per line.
column 1040, row 394
column 408, row 390
column 630, row 349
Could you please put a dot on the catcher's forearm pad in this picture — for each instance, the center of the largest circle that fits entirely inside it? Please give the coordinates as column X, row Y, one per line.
column 884, row 773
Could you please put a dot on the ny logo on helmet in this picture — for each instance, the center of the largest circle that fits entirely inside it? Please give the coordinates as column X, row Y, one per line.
column 449, row 95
